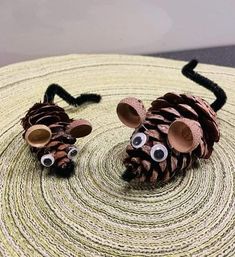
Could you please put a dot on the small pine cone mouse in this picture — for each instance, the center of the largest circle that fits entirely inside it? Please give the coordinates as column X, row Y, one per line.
column 51, row 134
column 172, row 134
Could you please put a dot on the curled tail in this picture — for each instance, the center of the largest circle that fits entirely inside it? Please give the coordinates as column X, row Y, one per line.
column 55, row 89
column 207, row 83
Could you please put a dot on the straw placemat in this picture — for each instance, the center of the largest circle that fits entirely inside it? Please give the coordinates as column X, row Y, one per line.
column 94, row 213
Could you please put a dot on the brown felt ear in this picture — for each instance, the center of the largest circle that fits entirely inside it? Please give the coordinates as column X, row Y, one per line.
column 131, row 112
column 184, row 135
column 38, row 135
column 79, row 128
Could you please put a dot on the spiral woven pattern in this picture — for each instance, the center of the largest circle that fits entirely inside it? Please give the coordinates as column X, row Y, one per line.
column 95, row 213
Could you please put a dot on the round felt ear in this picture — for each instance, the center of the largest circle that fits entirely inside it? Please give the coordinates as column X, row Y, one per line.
column 131, row 112
column 184, row 135
column 38, row 135
column 79, row 128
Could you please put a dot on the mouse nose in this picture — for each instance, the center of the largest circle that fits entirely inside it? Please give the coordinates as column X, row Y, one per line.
column 128, row 175
column 65, row 170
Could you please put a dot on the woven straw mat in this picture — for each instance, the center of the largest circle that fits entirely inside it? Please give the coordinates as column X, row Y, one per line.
column 95, row 213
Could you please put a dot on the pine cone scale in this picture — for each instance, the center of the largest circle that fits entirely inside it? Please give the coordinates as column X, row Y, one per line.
column 173, row 98
column 188, row 111
column 47, row 120
column 160, row 103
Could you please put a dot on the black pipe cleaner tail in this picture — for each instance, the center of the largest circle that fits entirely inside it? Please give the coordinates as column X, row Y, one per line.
column 55, row 89
column 207, row 83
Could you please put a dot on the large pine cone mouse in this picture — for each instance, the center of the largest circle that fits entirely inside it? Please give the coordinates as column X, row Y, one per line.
column 172, row 134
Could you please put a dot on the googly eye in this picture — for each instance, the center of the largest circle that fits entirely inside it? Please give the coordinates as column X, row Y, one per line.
column 73, row 151
column 47, row 160
column 159, row 152
column 138, row 140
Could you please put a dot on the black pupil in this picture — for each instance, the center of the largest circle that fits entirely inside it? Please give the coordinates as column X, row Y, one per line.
column 73, row 152
column 47, row 162
column 158, row 154
column 137, row 140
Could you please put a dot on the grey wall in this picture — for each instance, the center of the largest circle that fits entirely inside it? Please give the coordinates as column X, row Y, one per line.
column 31, row 29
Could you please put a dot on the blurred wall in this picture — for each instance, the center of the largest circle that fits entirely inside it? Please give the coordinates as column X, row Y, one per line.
column 31, row 29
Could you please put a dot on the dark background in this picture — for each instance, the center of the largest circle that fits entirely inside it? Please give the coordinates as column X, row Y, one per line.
column 224, row 56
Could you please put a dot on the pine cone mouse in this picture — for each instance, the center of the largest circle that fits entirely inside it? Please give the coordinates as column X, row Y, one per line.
column 172, row 134
column 51, row 134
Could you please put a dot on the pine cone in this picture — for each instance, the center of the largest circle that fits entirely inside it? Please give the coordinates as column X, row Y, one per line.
column 175, row 131
column 141, row 164
column 58, row 150
column 51, row 133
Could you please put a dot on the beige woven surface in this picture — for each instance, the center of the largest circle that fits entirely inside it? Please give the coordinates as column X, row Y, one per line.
column 94, row 213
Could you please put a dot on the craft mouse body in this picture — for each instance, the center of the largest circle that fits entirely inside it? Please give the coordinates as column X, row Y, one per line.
column 172, row 134
column 51, row 134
